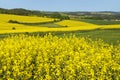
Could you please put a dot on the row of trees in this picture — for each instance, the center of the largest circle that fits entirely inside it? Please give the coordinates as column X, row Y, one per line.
column 20, row 11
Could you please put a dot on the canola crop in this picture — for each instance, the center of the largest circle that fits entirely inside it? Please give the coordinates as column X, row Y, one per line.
column 117, row 26
column 66, row 25
column 27, row 19
column 6, row 27
column 78, row 24
column 24, row 57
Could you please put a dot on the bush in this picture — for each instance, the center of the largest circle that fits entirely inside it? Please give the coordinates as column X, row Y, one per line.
column 66, row 25
column 13, row 28
column 13, row 21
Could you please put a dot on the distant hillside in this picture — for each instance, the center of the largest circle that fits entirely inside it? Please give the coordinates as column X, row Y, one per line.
column 20, row 11
column 103, row 15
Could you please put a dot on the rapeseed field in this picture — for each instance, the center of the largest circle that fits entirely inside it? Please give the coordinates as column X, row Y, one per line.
column 67, row 25
column 48, row 57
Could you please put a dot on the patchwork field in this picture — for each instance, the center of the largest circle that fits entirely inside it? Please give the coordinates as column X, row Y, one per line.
column 43, row 24
column 33, row 24
column 76, row 50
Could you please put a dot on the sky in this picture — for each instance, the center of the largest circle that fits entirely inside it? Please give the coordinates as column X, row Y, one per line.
column 63, row 5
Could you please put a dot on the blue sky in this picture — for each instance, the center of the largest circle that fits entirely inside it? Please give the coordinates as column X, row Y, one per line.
column 63, row 5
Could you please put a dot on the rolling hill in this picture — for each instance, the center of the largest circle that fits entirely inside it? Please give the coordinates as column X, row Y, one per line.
column 43, row 24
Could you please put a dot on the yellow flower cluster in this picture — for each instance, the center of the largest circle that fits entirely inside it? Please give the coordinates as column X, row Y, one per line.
column 24, row 57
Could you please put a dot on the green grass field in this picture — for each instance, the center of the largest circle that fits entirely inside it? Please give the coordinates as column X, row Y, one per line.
column 100, row 22
column 111, row 36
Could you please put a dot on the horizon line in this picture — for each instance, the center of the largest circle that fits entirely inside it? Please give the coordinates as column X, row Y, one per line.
column 62, row 10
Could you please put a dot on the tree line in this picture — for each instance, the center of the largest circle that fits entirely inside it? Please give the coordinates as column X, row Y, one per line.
column 105, row 15
column 24, row 12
